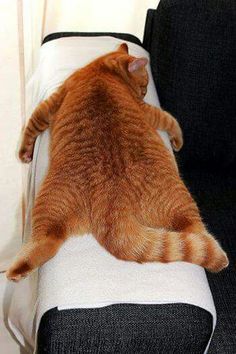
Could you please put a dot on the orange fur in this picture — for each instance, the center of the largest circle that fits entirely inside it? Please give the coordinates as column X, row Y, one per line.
column 111, row 174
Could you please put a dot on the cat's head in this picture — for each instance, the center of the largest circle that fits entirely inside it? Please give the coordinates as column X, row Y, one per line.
column 131, row 69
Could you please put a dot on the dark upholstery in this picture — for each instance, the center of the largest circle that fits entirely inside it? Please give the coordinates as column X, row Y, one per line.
column 193, row 54
column 124, row 36
column 126, row 328
column 192, row 44
column 216, row 197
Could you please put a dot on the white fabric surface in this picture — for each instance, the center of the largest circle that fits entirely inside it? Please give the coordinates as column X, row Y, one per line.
column 83, row 274
column 10, row 128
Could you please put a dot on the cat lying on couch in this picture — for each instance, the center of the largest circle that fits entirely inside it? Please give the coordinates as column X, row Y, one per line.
column 110, row 173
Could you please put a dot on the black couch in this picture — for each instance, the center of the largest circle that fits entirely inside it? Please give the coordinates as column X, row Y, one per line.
column 192, row 45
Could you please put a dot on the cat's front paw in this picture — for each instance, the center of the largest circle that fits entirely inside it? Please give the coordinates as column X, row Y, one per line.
column 176, row 142
column 174, row 131
column 176, row 138
column 26, row 154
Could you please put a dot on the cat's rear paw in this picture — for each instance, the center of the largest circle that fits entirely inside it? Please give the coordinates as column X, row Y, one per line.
column 25, row 155
column 18, row 271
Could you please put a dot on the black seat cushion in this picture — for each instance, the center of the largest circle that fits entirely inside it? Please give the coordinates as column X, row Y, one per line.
column 193, row 58
column 126, row 328
column 215, row 194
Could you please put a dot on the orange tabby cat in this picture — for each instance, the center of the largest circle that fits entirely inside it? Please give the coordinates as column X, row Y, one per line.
column 110, row 173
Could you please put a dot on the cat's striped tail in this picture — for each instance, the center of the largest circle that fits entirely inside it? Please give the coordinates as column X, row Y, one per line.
column 132, row 241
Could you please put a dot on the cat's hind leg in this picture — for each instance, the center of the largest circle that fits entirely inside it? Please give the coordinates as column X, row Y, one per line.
column 175, row 217
column 129, row 240
column 38, row 250
column 56, row 215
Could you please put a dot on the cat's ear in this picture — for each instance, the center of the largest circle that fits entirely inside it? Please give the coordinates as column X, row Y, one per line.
column 137, row 64
column 123, row 48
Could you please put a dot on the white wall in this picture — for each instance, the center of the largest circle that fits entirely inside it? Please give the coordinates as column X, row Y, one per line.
column 97, row 15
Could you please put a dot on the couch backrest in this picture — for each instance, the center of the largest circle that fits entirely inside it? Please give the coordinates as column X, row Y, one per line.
column 192, row 44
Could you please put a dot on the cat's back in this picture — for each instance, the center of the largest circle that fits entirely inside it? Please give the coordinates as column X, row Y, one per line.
column 101, row 130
